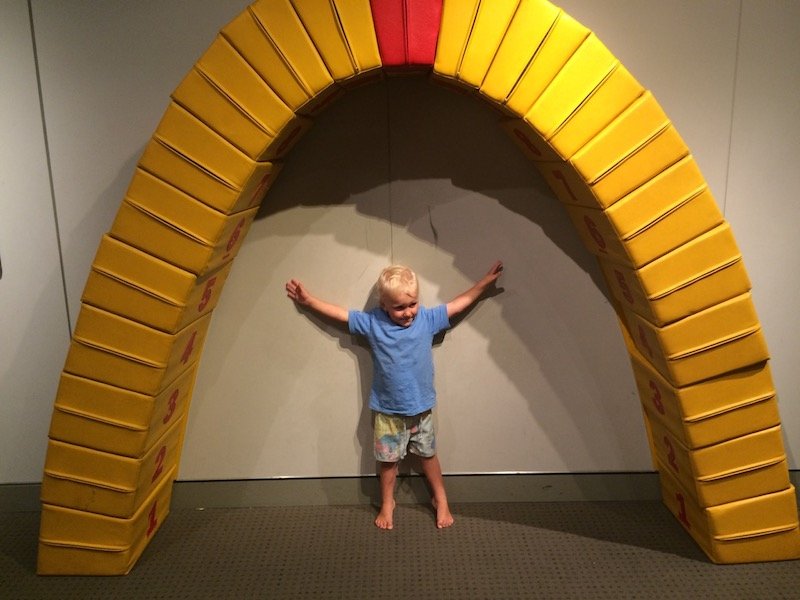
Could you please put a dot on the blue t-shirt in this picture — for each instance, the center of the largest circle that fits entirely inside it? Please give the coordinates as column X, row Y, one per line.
column 402, row 382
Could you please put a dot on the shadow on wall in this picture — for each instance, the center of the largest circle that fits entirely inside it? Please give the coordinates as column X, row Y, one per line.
column 428, row 151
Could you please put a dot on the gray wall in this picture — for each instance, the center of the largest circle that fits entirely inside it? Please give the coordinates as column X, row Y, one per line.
column 535, row 379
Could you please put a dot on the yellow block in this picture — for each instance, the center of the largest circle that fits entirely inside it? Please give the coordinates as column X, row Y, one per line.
column 454, row 30
column 722, row 338
column 529, row 27
column 699, row 274
column 284, row 30
column 344, row 34
column 605, row 102
column 259, row 135
column 712, row 411
column 251, row 40
column 111, row 419
column 583, row 73
column 743, row 467
column 672, row 208
column 141, row 287
column 763, row 528
column 189, row 155
column 123, row 353
column 239, row 82
column 73, row 542
column 488, row 29
column 638, row 145
column 166, row 223
column 562, row 40
column 105, row 483
column 570, row 125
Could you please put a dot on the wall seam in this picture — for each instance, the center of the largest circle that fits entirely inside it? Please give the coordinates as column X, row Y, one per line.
column 49, row 167
column 387, row 91
column 733, row 110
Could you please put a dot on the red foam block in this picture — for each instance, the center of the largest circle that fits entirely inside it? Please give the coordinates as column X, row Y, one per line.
column 407, row 31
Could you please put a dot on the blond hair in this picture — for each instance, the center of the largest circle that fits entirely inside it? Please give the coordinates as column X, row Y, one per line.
column 397, row 278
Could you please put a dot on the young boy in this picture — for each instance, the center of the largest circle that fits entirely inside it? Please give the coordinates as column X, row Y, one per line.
column 400, row 334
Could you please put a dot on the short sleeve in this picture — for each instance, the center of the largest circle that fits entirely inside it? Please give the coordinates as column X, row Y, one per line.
column 437, row 317
column 358, row 322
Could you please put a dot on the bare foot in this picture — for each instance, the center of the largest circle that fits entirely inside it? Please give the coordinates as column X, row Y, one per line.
column 443, row 516
column 385, row 518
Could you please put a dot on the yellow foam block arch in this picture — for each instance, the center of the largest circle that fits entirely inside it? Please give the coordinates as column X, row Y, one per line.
column 600, row 140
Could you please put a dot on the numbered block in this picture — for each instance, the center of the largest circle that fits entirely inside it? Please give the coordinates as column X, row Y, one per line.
column 344, row 35
column 743, row 467
column 123, row 353
column 722, row 338
column 759, row 529
column 192, row 157
column 161, row 220
column 111, row 419
column 589, row 92
column 144, row 288
column 74, row 542
column 105, row 483
column 695, row 276
column 712, row 411
column 563, row 180
column 532, row 22
column 671, row 209
column 638, row 145
column 406, row 31
column 538, row 150
column 207, row 92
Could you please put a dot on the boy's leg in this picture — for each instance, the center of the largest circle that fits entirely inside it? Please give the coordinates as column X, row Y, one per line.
column 388, row 476
column 433, row 472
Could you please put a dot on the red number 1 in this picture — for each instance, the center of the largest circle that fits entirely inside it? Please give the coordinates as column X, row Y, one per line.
column 682, row 516
column 560, row 176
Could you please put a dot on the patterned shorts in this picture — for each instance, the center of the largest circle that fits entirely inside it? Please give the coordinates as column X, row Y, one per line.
column 396, row 434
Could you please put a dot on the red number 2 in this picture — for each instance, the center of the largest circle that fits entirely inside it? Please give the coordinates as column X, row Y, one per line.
column 160, row 459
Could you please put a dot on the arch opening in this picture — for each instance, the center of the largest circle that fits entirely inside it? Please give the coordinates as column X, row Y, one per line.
column 599, row 139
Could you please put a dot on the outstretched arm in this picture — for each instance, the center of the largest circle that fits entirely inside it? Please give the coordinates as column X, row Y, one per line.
column 466, row 299
column 297, row 292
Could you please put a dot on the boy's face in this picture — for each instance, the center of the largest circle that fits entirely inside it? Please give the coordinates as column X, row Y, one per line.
column 401, row 306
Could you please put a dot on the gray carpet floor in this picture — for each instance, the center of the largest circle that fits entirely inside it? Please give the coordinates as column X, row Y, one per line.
column 562, row 550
